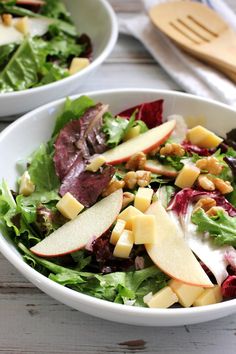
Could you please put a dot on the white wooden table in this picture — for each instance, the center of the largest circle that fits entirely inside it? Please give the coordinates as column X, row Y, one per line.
column 32, row 322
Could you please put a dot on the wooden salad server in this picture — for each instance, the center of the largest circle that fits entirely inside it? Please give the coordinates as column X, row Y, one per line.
column 200, row 31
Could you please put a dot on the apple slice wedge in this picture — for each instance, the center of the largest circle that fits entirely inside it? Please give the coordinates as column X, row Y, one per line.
column 159, row 169
column 144, row 142
column 75, row 234
column 171, row 253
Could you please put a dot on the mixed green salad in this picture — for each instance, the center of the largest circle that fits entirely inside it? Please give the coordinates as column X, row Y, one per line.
column 39, row 44
column 171, row 189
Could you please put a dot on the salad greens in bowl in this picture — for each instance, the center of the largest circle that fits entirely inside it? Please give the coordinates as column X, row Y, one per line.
column 122, row 204
column 48, row 48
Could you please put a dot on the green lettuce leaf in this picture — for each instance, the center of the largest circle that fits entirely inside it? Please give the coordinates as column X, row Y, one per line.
column 72, row 110
column 118, row 287
column 21, row 71
column 5, row 53
column 221, row 227
column 42, row 170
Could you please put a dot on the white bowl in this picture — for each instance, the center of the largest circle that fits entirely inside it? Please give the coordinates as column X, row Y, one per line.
column 23, row 136
column 93, row 17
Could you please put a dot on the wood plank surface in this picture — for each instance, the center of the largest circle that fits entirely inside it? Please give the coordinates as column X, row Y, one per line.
column 32, row 322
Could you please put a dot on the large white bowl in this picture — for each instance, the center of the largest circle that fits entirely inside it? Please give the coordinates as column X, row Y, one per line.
column 23, row 136
column 93, row 17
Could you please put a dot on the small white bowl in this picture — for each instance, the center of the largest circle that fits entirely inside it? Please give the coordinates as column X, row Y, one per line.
column 93, row 17
column 22, row 137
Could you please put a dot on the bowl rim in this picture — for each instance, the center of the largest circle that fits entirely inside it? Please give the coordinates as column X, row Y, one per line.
column 62, row 292
column 95, row 63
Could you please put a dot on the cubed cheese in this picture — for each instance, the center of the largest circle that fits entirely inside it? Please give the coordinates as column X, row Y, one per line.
column 124, row 245
column 127, row 214
column 187, row 176
column 78, row 64
column 96, row 163
column 69, row 206
column 209, row 296
column 164, row 298
column 117, row 231
column 143, row 198
column 26, row 185
column 203, row 137
column 132, row 133
column 186, row 294
column 144, row 229
column 22, row 25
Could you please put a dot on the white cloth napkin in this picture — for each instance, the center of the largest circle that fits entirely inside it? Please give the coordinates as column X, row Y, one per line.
column 190, row 74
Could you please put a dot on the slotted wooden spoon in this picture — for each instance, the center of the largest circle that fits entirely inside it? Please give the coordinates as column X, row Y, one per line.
column 199, row 31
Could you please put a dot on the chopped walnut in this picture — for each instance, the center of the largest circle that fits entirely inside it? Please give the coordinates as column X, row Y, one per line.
column 172, row 150
column 7, row 19
column 223, row 186
column 205, row 203
column 143, row 178
column 210, row 164
column 127, row 198
column 136, row 162
column 140, row 177
column 214, row 210
column 112, row 187
column 206, row 183
column 130, row 179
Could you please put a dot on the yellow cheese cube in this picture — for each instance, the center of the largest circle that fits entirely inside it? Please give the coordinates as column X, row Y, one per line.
column 117, row 231
column 69, row 206
column 124, row 245
column 186, row 294
column 209, row 296
column 144, row 228
column 22, row 25
column 143, row 198
column 203, row 137
column 164, row 298
column 26, row 185
column 78, row 64
column 96, row 163
column 127, row 214
column 132, row 133
column 187, row 176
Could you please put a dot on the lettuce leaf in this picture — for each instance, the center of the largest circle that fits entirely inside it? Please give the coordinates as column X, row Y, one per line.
column 221, row 227
column 42, row 170
column 72, row 110
column 119, row 287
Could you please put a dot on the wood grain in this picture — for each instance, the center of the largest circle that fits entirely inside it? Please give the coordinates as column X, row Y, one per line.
column 32, row 322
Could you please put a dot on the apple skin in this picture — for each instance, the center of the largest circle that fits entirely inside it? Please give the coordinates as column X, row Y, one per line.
column 77, row 233
column 172, row 254
column 159, row 169
column 145, row 142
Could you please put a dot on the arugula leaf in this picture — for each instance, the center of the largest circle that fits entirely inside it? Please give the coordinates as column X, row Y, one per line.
column 42, row 170
column 221, row 227
column 72, row 110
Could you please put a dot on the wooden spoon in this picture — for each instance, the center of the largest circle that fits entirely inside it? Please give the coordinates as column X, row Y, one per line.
column 199, row 31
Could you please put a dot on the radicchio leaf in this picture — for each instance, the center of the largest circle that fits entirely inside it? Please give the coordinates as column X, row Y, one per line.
column 228, row 288
column 181, row 200
column 86, row 186
column 194, row 149
column 85, row 40
column 231, row 161
column 149, row 112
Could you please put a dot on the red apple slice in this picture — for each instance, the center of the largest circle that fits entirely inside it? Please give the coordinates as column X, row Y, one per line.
column 171, row 253
column 30, row 2
column 144, row 142
column 159, row 169
column 76, row 233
